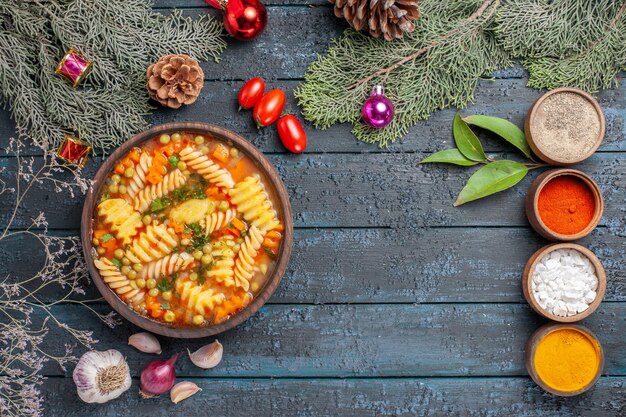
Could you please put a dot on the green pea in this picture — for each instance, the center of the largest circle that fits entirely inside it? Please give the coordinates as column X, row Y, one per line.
column 176, row 137
column 181, row 165
column 114, row 188
column 132, row 275
column 147, row 219
column 122, row 189
column 164, row 139
column 199, row 140
column 125, row 261
column 125, row 269
column 153, row 292
column 115, row 179
column 138, row 267
column 151, row 283
column 129, row 172
column 119, row 253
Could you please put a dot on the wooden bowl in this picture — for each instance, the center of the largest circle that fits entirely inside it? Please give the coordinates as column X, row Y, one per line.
column 532, row 199
column 273, row 181
column 530, row 267
column 531, row 347
column 532, row 121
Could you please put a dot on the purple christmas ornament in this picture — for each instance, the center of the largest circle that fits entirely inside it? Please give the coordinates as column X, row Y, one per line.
column 378, row 110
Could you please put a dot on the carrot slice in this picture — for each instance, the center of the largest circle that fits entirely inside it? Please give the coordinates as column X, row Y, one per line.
column 239, row 224
column 221, row 153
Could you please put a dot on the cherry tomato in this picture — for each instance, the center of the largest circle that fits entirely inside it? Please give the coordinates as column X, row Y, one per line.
column 251, row 93
column 291, row 133
column 269, row 108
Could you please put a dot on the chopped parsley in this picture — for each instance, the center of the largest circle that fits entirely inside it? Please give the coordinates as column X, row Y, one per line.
column 116, row 262
column 268, row 251
column 195, row 228
column 159, row 204
column 106, row 238
column 165, row 306
column 164, row 284
column 194, row 188
column 104, row 196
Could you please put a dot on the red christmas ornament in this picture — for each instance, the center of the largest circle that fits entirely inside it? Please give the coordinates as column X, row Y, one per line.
column 74, row 151
column 243, row 19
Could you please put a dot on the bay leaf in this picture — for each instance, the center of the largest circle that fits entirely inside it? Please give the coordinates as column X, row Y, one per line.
column 466, row 140
column 490, row 179
column 503, row 128
column 449, row 156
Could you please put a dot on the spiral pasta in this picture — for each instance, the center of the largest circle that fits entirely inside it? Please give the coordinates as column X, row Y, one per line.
column 244, row 263
column 223, row 261
column 156, row 242
column 209, row 170
column 253, row 203
column 118, row 282
column 217, row 220
column 170, row 182
column 196, row 299
column 124, row 221
column 166, row 266
column 138, row 181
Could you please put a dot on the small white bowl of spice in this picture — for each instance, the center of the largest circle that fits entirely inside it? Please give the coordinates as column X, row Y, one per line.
column 564, row 282
column 565, row 126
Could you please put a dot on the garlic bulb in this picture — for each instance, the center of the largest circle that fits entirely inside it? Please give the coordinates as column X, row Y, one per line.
column 145, row 342
column 208, row 356
column 101, row 376
column 183, row 390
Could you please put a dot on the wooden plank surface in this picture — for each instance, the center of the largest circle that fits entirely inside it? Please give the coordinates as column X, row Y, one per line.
column 373, row 340
column 363, row 190
column 395, row 303
column 400, row 397
column 416, row 266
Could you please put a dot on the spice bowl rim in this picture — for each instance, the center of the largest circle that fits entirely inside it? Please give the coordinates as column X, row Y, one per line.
column 529, row 125
column 532, row 202
column 273, row 180
column 531, row 347
column 530, row 267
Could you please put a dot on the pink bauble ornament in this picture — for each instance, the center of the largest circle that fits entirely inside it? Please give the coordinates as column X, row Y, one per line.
column 378, row 110
column 243, row 19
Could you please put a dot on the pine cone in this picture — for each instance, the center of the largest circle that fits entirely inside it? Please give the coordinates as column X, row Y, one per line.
column 390, row 18
column 175, row 80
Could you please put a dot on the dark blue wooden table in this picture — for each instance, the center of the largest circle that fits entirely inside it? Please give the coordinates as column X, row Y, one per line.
column 395, row 303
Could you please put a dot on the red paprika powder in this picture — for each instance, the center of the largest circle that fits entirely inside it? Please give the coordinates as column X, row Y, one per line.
column 566, row 205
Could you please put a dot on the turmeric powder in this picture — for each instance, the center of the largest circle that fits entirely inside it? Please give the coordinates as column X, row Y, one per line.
column 567, row 359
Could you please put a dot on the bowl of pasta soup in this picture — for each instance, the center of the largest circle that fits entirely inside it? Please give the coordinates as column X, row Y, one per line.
column 187, row 230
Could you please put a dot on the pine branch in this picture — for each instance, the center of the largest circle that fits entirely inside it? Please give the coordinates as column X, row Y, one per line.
column 122, row 37
column 436, row 66
column 566, row 43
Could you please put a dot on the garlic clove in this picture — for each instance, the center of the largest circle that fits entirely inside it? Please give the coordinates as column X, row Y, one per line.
column 183, row 390
column 208, row 356
column 145, row 342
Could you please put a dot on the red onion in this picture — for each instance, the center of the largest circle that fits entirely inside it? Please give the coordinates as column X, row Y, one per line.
column 158, row 377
